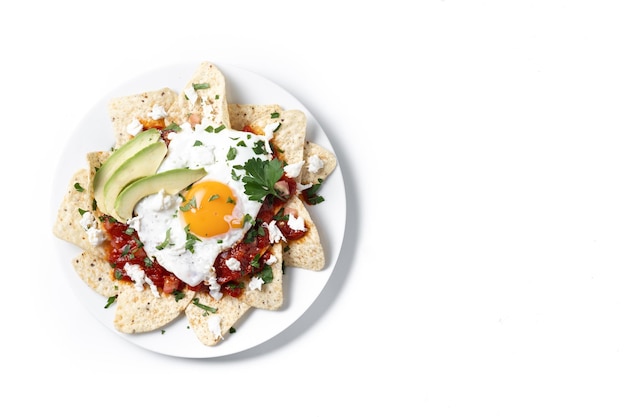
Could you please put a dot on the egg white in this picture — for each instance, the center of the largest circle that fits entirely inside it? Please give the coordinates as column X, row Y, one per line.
column 194, row 147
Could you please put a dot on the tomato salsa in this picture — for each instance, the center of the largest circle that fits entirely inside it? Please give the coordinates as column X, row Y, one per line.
column 124, row 247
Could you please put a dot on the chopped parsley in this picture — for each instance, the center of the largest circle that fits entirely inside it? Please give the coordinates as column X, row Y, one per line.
column 211, row 129
column 201, row 86
column 189, row 205
column 191, row 240
column 174, row 127
column 259, row 148
column 310, row 194
column 206, row 308
column 166, row 242
column 266, row 274
column 178, row 295
column 110, row 301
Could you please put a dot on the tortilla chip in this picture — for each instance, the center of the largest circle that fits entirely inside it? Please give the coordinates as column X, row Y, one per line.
column 95, row 271
column 122, row 110
column 140, row 311
column 290, row 136
column 242, row 115
column 229, row 310
column 328, row 158
column 67, row 225
column 95, row 161
column 211, row 102
column 306, row 252
column 270, row 297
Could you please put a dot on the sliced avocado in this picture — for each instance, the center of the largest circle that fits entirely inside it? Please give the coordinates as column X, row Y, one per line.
column 170, row 181
column 142, row 164
column 117, row 158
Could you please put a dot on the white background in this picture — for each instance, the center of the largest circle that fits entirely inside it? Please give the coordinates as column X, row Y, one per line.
column 482, row 145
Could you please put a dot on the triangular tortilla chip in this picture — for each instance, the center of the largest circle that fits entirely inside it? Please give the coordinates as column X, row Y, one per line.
column 95, row 271
column 242, row 115
column 328, row 158
column 140, row 311
column 67, row 224
column 122, row 110
column 210, row 86
column 229, row 311
column 290, row 136
column 306, row 252
column 270, row 296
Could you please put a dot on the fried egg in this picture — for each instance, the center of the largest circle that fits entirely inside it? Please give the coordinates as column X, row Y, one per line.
column 186, row 232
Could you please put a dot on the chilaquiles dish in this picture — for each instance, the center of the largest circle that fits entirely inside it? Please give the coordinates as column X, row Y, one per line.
column 197, row 209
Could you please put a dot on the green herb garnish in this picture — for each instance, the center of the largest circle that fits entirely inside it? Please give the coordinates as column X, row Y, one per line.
column 166, row 241
column 110, row 301
column 261, row 176
column 209, row 309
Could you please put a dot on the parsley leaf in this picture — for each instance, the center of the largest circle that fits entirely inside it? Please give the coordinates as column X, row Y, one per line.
column 206, row 308
column 311, row 196
column 261, row 176
column 166, row 242
column 191, row 240
column 110, row 301
column 201, row 86
column 266, row 274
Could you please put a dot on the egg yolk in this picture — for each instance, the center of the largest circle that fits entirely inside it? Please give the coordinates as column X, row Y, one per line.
column 208, row 207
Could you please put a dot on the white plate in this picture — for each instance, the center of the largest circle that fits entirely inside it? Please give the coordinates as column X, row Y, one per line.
column 302, row 287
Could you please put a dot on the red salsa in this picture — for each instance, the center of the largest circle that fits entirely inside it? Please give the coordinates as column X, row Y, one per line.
column 252, row 252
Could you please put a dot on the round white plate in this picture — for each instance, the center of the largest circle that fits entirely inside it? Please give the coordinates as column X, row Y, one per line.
column 301, row 288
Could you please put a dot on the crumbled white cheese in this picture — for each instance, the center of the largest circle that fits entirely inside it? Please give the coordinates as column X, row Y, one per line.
column 255, row 283
column 296, row 223
column 271, row 260
column 134, row 127
column 87, row 220
column 95, row 236
column 158, row 112
column 191, row 95
column 233, row 264
column 90, row 225
column 214, row 322
column 269, row 130
column 215, row 288
column 275, row 234
column 302, row 187
column 315, row 164
column 153, row 288
column 293, row 170
column 138, row 276
column 269, row 134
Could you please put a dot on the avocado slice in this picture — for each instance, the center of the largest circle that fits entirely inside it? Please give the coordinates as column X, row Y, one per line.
column 142, row 164
column 171, row 182
column 117, row 158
